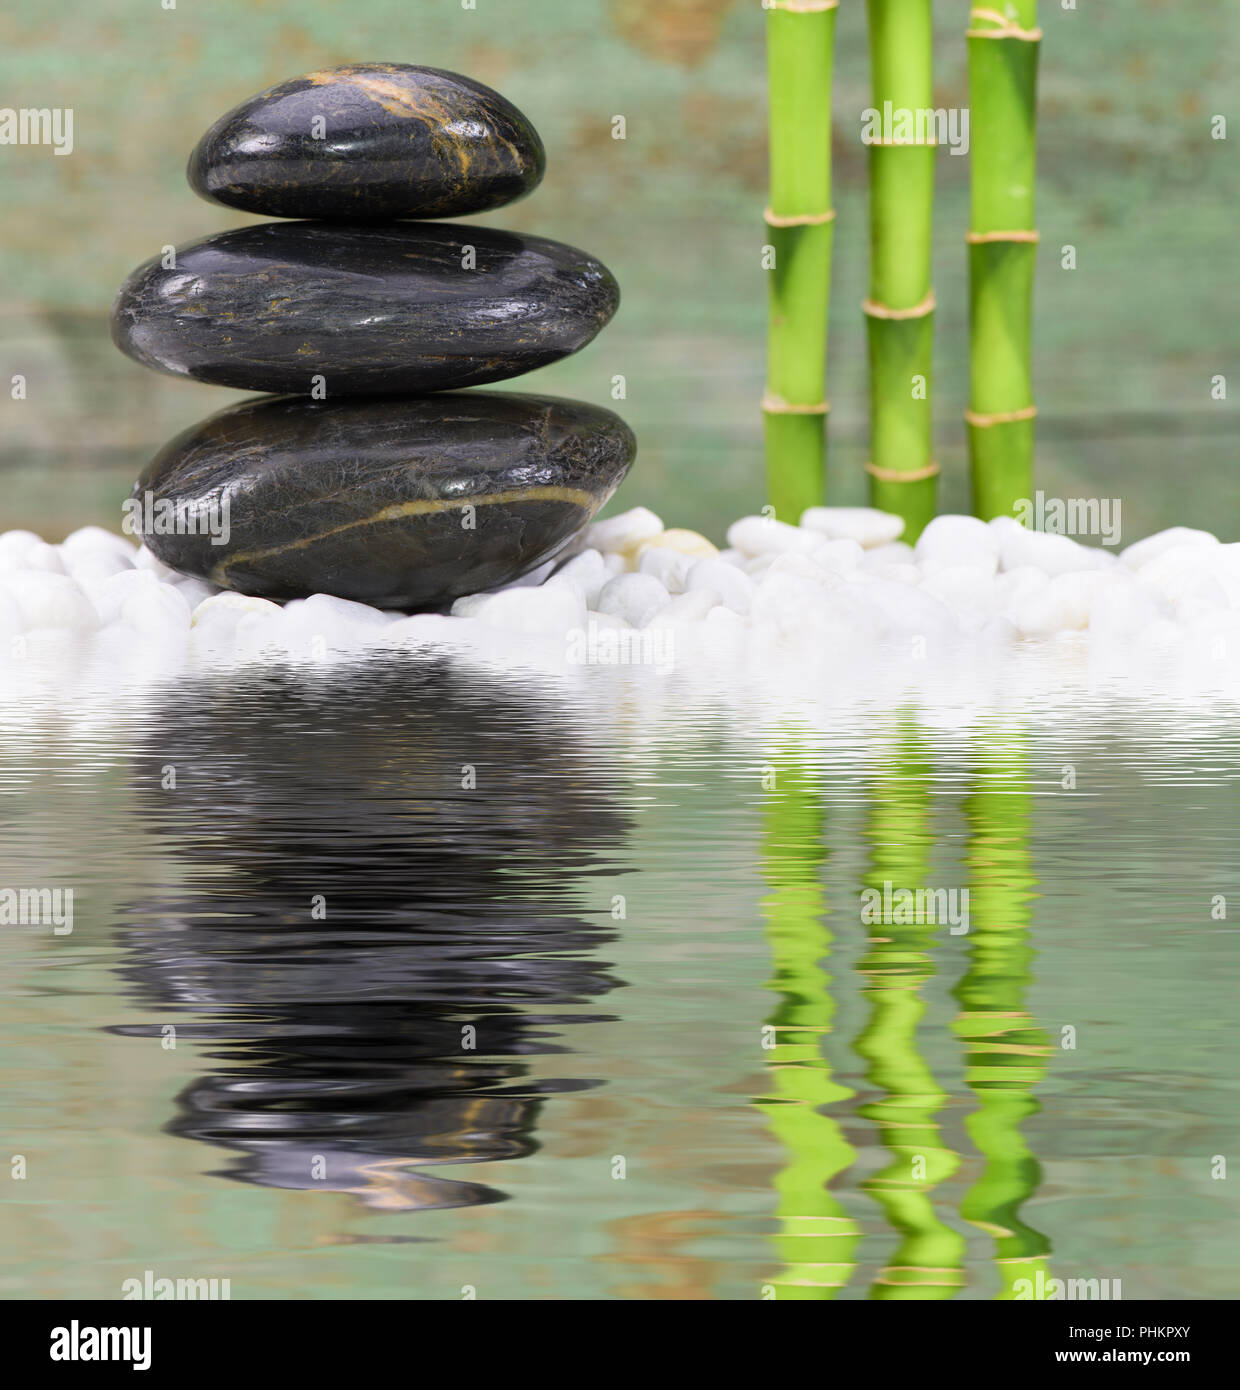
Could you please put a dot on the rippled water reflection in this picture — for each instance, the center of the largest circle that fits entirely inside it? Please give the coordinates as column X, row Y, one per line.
column 402, row 981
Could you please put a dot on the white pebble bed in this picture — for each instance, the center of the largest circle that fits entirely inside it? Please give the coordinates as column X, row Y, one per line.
column 839, row 589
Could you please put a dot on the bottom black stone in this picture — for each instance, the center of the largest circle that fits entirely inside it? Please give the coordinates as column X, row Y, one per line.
column 399, row 502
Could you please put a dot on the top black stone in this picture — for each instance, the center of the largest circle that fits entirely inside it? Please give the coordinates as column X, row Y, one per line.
column 370, row 141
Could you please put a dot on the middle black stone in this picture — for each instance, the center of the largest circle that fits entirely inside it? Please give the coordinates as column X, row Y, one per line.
column 391, row 308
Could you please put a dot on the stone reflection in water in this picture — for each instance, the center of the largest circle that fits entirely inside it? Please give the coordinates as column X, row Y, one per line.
column 353, row 909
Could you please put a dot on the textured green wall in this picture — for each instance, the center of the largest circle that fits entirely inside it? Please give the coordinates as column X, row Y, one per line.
column 1126, row 344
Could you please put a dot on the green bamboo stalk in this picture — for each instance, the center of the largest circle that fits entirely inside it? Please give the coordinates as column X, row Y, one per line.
column 817, row 1238
column 929, row 1262
column 800, row 46
column 1003, row 45
column 901, row 228
column 1006, row 1050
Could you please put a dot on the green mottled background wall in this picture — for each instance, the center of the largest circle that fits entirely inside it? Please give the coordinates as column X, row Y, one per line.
column 1127, row 343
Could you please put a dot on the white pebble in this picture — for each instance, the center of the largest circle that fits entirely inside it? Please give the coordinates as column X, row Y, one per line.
column 261, row 632
column 231, row 605
column 1063, row 604
column 1142, row 552
column 95, row 542
column 311, row 627
column 547, row 611
column 1050, row 553
column 685, row 609
column 734, row 586
column 216, row 621
column 897, row 553
column 533, row 577
column 91, row 568
column 866, row 525
column 422, row 629
column 470, row 605
column 634, row 597
column 1013, row 585
column 160, row 612
column 957, row 540
column 803, row 567
column 622, row 532
column 1184, row 572
column 10, row 620
column 906, row 612
column 586, row 573
column 611, row 621
column 794, row 607
column 964, row 588
column 195, row 590
column 691, row 543
column 669, row 567
column 13, row 548
column 764, row 535
column 840, row 556
column 43, row 557
column 109, row 596
column 338, row 610
column 50, row 600
column 145, row 559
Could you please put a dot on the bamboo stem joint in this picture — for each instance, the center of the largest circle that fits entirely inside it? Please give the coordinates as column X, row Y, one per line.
column 809, row 219
column 873, row 309
column 774, row 406
column 1004, row 28
column 902, row 475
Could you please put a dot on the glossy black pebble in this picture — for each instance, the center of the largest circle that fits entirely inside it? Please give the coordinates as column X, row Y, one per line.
column 371, row 499
column 396, row 307
column 371, row 140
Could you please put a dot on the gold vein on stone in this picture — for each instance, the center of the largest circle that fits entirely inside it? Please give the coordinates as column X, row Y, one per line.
column 418, row 507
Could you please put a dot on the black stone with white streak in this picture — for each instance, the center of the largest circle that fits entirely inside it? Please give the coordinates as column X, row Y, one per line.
column 400, row 307
column 373, row 140
column 402, row 503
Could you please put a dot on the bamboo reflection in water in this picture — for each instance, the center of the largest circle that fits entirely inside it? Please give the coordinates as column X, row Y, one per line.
column 928, row 1262
column 1004, row 1046
column 817, row 1238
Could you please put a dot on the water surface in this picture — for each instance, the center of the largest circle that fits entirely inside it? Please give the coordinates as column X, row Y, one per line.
column 394, row 981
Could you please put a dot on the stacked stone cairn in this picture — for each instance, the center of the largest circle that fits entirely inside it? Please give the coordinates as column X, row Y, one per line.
column 353, row 479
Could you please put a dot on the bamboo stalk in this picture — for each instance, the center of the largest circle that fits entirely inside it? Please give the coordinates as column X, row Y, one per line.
column 1003, row 45
column 817, row 1238
column 900, row 309
column 800, row 45
column 1006, row 1050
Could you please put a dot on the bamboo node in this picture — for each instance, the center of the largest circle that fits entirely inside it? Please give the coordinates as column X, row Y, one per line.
column 980, row 238
column 808, row 219
column 1004, row 28
column 901, row 475
column 800, row 6
column 1002, row 417
column 873, row 309
column 772, row 405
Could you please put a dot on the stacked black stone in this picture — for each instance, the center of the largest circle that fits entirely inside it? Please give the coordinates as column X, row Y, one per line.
column 359, row 484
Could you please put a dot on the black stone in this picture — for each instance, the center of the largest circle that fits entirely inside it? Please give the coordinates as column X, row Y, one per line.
column 370, row 140
column 369, row 499
column 380, row 309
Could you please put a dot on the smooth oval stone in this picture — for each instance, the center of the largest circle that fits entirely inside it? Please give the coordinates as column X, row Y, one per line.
column 400, row 307
column 370, row 499
column 370, row 140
